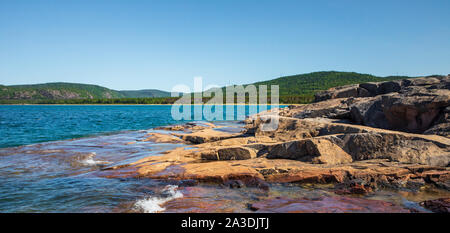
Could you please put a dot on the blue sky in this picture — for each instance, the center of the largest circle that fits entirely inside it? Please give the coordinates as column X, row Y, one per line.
column 159, row 44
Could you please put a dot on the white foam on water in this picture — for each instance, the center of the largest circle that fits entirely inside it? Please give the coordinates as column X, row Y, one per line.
column 89, row 160
column 153, row 204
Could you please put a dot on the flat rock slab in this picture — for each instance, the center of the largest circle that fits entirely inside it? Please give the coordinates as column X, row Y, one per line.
column 206, row 135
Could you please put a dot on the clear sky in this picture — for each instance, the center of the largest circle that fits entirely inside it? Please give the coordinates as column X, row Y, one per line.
column 157, row 44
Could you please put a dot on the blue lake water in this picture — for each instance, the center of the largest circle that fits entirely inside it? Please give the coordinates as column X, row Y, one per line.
column 27, row 124
column 52, row 158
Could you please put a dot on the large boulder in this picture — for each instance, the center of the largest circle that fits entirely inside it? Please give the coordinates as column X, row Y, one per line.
column 228, row 153
column 370, row 87
column 418, row 105
column 369, row 112
column 379, row 88
column 416, row 110
column 425, row 81
column 389, row 87
column 333, row 108
column 359, row 90
column 339, row 92
column 321, row 151
column 396, row 147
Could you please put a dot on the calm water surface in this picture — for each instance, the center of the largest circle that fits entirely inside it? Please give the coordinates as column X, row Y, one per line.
column 27, row 124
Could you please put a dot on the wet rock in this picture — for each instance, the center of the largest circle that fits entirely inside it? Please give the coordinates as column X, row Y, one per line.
column 173, row 128
column 441, row 205
column 188, row 127
column 355, row 187
column 336, row 204
column 197, row 205
column 248, row 182
column 443, row 185
column 257, row 183
column 187, row 183
column 415, row 184
column 162, row 138
column 234, row 184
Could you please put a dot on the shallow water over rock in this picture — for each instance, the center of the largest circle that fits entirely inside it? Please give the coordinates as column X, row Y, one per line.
column 66, row 176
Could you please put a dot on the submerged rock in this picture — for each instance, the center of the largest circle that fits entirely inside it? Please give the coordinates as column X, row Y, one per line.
column 335, row 204
column 162, row 138
column 441, row 205
column 355, row 187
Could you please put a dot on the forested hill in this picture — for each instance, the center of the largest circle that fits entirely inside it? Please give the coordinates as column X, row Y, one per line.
column 301, row 88
column 308, row 84
column 62, row 91
column 57, row 91
column 148, row 93
column 293, row 89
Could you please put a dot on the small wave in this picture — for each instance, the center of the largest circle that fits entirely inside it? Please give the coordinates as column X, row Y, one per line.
column 153, row 204
column 88, row 160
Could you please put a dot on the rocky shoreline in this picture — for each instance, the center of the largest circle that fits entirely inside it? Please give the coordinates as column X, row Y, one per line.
column 359, row 138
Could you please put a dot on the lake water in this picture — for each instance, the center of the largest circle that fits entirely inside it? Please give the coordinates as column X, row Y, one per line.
column 52, row 157
column 27, row 124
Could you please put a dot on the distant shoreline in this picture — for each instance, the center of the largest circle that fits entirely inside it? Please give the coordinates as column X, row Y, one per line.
column 125, row 104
